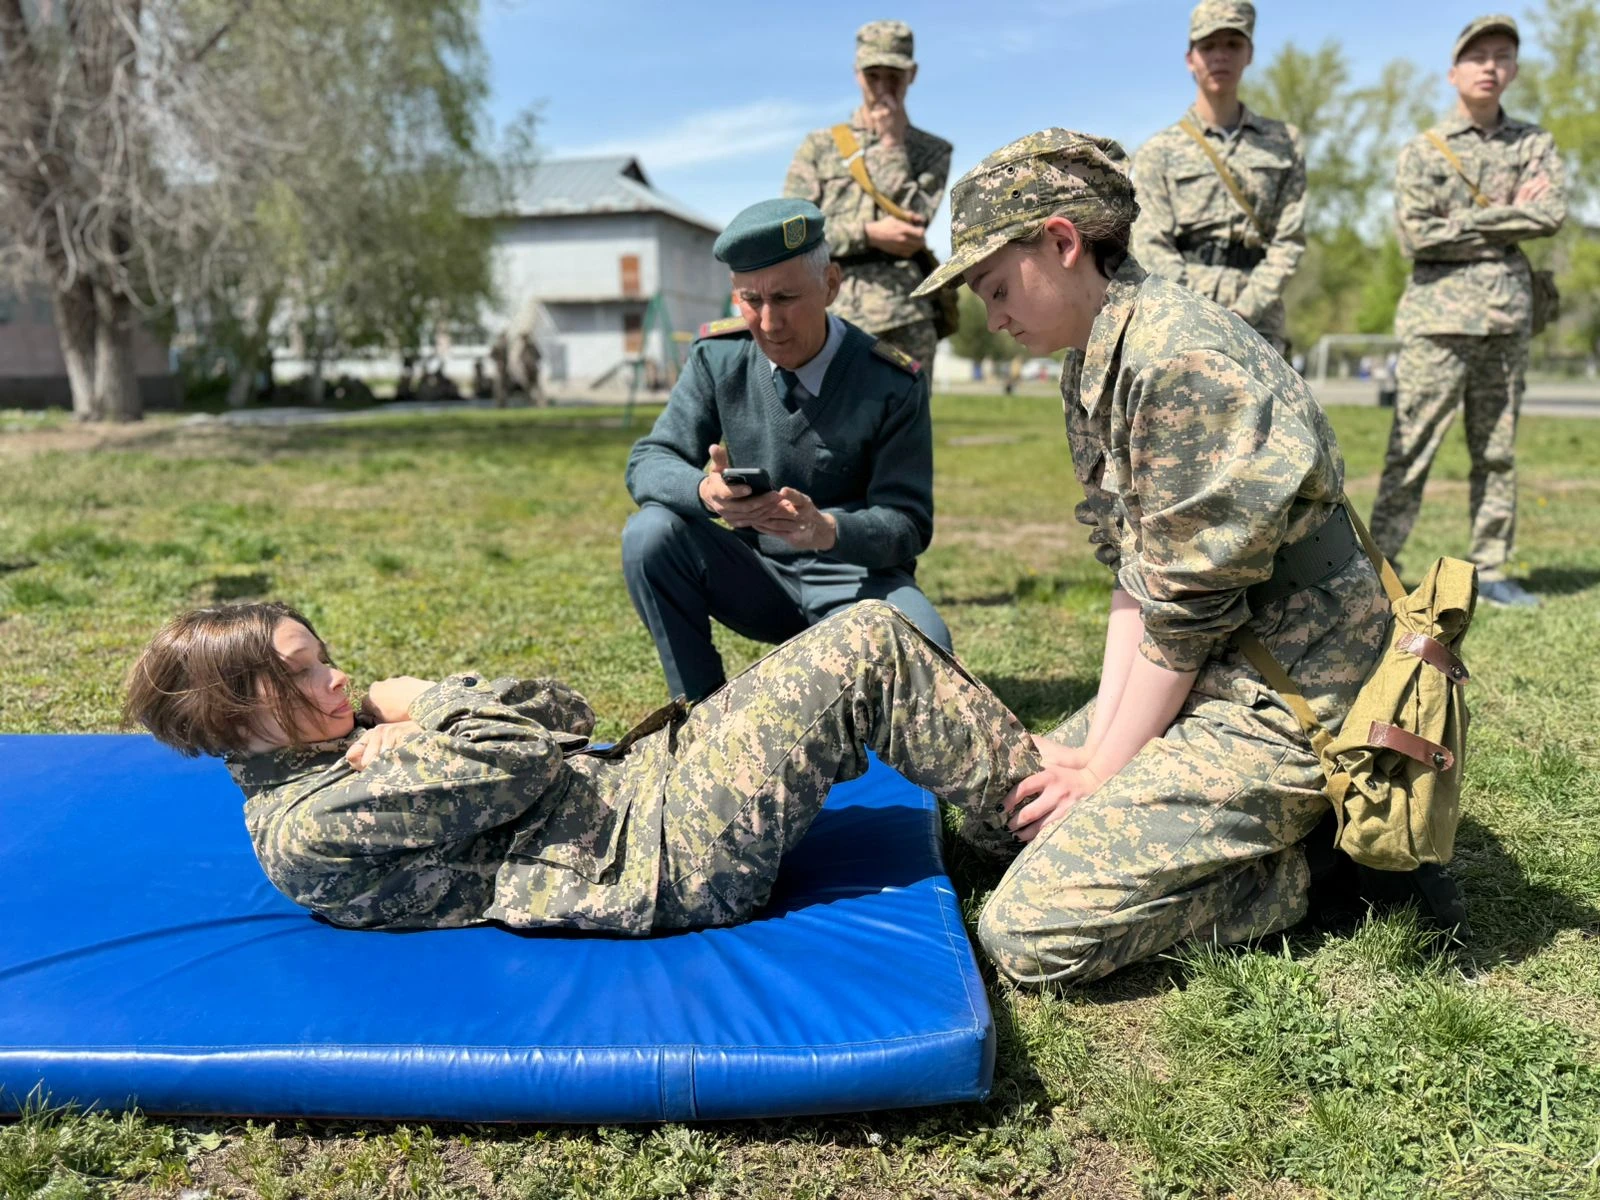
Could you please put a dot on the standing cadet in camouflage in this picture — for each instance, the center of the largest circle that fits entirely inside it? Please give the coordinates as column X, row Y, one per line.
column 482, row 800
column 1467, row 312
column 1192, row 228
column 1175, row 804
column 909, row 166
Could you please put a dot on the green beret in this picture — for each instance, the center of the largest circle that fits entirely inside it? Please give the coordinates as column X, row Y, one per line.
column 768, row 232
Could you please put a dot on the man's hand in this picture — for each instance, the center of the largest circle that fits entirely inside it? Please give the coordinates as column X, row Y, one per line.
column 1042, row 799
column 390, row 700
column 377, row 740
column 798, row 521
column 1531, row 191
column 732, row 501
column 894, row 236
column 885, row 116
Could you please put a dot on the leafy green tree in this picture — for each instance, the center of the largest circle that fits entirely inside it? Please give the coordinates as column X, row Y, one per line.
column 361, row 233
column 1351, row 137
column 1562, row 82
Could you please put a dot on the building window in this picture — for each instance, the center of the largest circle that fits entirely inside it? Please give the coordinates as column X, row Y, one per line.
column 632, row 333
column 630, row 274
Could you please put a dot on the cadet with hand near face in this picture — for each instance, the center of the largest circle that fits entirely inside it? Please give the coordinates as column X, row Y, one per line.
column 1466, row 193
column 836, row 418
column 1222, row 192
column 877, row 250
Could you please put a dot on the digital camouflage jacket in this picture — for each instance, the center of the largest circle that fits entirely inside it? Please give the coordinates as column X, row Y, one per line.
column 1468, row 275
column 496, row 812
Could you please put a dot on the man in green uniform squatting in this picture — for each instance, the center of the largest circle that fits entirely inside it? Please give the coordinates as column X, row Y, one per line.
column 1222, row 192
column 838, row 421
column 1177, row 804
column 878, row 240
column 1466, row 193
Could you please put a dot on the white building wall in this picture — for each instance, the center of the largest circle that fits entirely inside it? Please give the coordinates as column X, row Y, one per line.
column 573, row 266
column 571, row 258
column 695, row 283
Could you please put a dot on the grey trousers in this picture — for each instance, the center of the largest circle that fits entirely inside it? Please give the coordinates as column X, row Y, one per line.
column 682, row 573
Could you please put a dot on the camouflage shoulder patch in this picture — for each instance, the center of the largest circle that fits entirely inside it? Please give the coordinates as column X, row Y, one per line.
column 897, row 356
column 724, row 327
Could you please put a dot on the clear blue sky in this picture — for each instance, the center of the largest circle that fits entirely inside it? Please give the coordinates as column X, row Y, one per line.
column 714, row 99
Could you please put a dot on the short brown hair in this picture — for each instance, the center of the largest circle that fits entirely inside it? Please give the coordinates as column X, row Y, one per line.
column 203, row 683
column 1105, row 235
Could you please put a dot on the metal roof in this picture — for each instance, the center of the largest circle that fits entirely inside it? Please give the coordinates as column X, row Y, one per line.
column 612, row 183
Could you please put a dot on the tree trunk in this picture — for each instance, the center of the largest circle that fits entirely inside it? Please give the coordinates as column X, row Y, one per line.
column 75, row 327
column 115, row 376
column 242, row 387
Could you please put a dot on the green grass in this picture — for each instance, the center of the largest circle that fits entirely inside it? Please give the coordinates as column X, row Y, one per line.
column 1346, row 1061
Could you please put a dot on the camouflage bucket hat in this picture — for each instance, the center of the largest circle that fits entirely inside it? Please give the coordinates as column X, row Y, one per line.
column 1013, row 192
column 1498, row 23
column 884, row 44
column 1212, row 16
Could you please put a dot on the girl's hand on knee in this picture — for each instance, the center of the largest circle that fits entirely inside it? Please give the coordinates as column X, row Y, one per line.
column 1058, row 754
column 1042, row 799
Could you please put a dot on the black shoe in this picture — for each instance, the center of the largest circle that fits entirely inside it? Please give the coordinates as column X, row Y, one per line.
column 1430, row 887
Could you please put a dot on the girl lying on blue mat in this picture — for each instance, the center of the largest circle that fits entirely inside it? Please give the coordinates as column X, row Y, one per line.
column 472, row 799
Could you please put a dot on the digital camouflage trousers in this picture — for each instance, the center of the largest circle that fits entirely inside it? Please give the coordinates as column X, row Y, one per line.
column 753, row 762
column 1438, row 373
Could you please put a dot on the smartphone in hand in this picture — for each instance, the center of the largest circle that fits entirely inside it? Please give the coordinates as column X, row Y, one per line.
column 754, row 478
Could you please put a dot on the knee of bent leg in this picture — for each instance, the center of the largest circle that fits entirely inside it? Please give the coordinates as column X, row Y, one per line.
column 650, row 532
column 1032, row 946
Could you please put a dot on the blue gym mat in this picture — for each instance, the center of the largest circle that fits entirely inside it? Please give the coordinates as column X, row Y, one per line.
column 145, row 959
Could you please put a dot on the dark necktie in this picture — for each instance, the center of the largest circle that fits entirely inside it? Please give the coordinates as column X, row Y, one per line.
column 788, row 384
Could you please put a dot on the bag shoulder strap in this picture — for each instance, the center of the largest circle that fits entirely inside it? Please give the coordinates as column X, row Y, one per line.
column 1392, row 587
column 1272, row 670
column 855, row 159
column 1451, row 156
column 1229, row 180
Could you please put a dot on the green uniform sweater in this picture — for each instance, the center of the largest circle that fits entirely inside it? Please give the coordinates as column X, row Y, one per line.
column 862, row 450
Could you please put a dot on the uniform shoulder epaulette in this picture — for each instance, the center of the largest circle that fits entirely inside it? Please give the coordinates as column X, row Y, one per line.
column 724, row 327
column 897, row 356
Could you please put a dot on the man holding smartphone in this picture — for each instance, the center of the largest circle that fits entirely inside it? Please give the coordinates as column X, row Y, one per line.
column 837, row 421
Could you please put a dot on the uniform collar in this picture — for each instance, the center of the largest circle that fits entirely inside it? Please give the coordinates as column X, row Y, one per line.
column 1246, row 117
column 812, row 373
column 269, row 768
column 1105, row 335
column 1455, row 123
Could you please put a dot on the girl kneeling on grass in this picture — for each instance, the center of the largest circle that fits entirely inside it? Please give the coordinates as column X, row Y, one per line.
column 475, row 800
column 1177, row 804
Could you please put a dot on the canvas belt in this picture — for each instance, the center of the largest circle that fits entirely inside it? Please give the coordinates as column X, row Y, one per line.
column 1213, row 252
column 868, row 256
column 1306, row 563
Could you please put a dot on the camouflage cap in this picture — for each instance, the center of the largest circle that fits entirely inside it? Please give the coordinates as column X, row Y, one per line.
column 1013, row 192
column 1210, row 16
column 1497, row 23
column 884, row 44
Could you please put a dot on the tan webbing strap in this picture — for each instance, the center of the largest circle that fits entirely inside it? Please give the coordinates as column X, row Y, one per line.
column 1229, row 180
column 1272, row 671
column 1439, row 145
column 844, row 140
column 1392, row 587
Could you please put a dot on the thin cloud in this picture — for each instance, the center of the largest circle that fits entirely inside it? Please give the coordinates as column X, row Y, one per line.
column 716, row 135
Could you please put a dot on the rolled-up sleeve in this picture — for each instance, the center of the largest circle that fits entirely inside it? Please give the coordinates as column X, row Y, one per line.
column 1215, row 466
